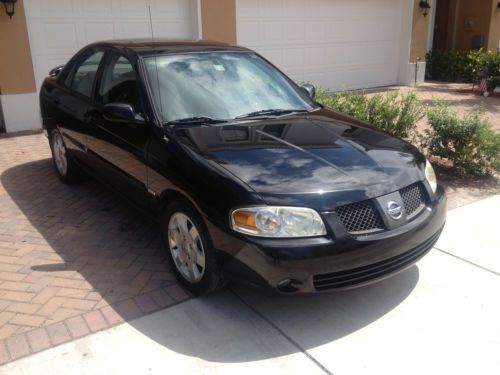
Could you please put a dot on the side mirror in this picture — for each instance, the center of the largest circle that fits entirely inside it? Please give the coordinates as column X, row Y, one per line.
column 121, row 112
column 55, row 72
column 309, row 89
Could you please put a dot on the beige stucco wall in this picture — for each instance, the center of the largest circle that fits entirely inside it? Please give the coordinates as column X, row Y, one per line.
column 16, row 68
column 419, row 32
column 494, row 34
column 473, row 19
column 219, row 20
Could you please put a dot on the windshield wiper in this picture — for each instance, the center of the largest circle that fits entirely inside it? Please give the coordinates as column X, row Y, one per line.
column 271, row 112
column 196, row 120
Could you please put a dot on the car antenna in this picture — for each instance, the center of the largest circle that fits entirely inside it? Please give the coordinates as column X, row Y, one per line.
column 156, row 62
column 151, row 23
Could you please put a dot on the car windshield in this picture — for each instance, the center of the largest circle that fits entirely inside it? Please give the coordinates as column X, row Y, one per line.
column 221, row 85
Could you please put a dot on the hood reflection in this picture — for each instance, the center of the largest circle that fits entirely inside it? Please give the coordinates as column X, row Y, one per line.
column 305, row 155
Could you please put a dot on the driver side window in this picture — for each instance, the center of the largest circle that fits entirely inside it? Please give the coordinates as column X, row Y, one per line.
column 119, row 84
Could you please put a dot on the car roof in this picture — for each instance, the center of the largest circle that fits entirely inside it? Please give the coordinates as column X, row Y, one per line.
column 151, row 46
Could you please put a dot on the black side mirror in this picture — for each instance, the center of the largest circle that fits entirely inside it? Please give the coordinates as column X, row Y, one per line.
column 55, row 72
column 309, row 89
column 121, row 112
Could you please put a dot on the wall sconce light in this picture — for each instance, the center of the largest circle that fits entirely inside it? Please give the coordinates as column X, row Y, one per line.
column 424, row 6
column 9, row 6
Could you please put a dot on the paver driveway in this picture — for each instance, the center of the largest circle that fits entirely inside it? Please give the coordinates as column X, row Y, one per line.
column 73, row 259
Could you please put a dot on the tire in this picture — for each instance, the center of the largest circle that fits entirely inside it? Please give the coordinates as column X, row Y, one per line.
column 189, row 248
column 66, row 169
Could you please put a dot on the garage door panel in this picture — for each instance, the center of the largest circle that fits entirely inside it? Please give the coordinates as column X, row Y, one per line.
column 295, row 31
column 131, row 29
column 295, row 9
column 98, row 30
column 59, row 28
column 174, row 8
column 272, row 31
column 317, row 32
column 368, row 53
column 129, row 7
column 46, row 8
column 52, row 36
column 274, row 55
column 334, row 78
column 333, row 42
column 47, row 63
column 102, row 8
column 269, row 8
column 172, row 29
column 294, row 58
column 249, row 31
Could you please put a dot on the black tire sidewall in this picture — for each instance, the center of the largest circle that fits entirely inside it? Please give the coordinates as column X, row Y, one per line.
column 211, row 277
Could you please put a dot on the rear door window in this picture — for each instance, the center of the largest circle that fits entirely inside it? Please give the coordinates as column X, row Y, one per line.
column 82, row 80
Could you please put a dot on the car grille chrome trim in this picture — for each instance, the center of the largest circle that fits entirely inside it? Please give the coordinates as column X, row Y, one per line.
column 361, row 275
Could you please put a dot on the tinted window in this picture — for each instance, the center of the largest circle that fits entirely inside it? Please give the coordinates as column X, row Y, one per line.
column 84, row 75
column 119, row 84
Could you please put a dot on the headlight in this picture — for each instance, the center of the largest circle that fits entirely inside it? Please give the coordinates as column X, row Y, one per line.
column 278, row 222
column 430, row 176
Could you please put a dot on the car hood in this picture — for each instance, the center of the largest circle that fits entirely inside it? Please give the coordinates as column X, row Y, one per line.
column 324, row 156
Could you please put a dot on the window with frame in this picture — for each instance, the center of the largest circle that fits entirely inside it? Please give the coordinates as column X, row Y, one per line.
column 119, row 84
column 82, row 80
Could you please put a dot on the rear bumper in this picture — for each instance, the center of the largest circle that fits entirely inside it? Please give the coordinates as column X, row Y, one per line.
column 325, row 264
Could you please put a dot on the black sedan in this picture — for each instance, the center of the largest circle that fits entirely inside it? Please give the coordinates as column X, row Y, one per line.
column 250, row 178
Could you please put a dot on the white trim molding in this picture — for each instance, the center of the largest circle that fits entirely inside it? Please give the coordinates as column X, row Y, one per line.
column 21, row 112
column 199, row 20
column 405, row 41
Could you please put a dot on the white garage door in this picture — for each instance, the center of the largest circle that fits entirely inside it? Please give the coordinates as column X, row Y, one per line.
column 59, row 28
column 334, row 43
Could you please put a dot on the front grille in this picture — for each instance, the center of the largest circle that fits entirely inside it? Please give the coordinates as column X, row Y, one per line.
column 413, row 197
column 360, row 217
column 365, row 274
column 363, row 217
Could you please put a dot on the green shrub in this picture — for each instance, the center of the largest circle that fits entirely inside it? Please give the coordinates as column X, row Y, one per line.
column 469, row 142
column 392, row 112
column 463, row 66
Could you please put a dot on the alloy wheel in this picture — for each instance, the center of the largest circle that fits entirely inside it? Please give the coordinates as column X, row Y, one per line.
column 186, row 247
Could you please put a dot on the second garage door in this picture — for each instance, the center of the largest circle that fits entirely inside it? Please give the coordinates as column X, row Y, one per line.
column 333, row 43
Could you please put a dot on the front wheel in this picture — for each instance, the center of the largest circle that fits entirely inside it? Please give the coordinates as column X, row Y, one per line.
column 189, row 248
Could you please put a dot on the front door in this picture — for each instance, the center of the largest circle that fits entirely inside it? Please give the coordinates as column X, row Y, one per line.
column 441, row 25
column 118, row 147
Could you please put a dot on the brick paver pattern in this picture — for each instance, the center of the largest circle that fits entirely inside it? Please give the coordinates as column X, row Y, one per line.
column 73, row 259
column 455, row 95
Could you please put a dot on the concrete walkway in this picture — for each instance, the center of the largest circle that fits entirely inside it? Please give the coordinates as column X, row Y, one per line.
column 441, row 316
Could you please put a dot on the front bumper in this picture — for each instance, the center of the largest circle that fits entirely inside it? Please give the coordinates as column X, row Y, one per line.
column 325, row 264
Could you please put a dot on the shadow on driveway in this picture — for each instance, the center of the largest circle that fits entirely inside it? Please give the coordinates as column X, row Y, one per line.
column 223, row 328
column 85, row 241
column 117, row 255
